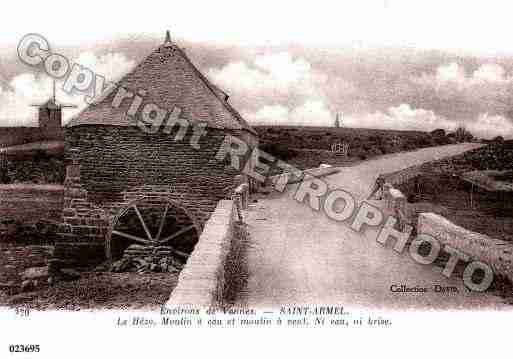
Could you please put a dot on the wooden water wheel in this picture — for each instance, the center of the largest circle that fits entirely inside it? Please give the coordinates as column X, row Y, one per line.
column 153, row 223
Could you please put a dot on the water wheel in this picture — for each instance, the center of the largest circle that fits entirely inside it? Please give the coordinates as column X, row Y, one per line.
column 153, row 223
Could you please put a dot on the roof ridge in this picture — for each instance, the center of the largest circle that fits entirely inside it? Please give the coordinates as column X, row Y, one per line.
column 167, row 55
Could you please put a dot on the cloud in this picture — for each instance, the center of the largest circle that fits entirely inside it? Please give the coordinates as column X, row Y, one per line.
column 270, row 115
column 26, row 89
column 279, row 89
column 487, row 126
column 402, row 117
column 282, row 67
column 277, row 73
column 454, row 74
column 491, row 73
column 310, row 113
column 277, row 78
column 461, row 94
column 316, row 113
column 374, row 88
column 450, row 73
column 112, row 65
column 17, row 99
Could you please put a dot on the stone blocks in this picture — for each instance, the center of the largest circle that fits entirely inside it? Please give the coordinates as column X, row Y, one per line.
column 496, row 253
column 202, row 281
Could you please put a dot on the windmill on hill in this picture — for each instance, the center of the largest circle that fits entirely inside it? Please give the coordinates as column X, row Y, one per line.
column 50, row 112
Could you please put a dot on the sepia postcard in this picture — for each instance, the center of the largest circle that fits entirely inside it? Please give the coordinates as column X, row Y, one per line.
column 250, row 179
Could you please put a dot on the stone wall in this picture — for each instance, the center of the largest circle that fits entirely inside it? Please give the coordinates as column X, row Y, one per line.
column 116, row 162
column 30, row 214
column 497, row 253
column 113, row 167
column 202, row 281
column 299, row 176
column 29, row 203
column 11, row 136
column 82, row 254
column 83, row 227
column 16, row 259
column 494, row 252
column 439, row 166
column 402, row 176
column 35, row 169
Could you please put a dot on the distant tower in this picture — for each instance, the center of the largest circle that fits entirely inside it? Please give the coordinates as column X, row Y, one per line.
column 50, row 114
column 338, row 121
column 168, row 41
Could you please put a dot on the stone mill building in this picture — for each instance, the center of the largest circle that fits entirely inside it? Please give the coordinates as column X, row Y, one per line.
column 134, row 176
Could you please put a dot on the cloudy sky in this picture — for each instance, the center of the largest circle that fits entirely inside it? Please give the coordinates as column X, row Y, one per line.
column 379, row 63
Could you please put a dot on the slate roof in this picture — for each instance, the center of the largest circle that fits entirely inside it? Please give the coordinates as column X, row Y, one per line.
column 169, row 79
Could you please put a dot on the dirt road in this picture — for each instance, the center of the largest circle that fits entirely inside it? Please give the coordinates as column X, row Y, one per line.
column 299, row 256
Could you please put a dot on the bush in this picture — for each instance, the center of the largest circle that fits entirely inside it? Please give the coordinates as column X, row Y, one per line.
column 424, row 141
column 42, row 170
column 440, row 141
column 463, row 135
column 4, row 178
column 409, row 145
column 440, row 132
